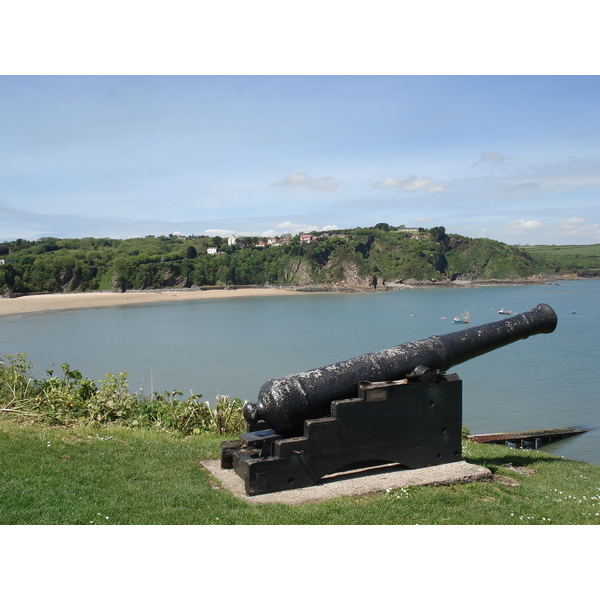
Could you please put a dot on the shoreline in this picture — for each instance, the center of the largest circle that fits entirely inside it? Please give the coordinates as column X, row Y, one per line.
column 42, row 302
column 75, row 300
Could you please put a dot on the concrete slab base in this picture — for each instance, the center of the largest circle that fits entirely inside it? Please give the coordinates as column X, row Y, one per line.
column 354, row 483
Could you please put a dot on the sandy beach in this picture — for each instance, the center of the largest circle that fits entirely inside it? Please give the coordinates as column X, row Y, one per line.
column 46, row 302
column 67, row 301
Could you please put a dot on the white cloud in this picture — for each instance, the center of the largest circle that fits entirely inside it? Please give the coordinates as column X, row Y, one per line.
column 521, row 226
column 290, row 227
column 330, row 228
column 412, row 185
column 326, row 184
column 219, row 232
column 436, row 188
column 416, row 183
column 571, row 222
column 387, row 183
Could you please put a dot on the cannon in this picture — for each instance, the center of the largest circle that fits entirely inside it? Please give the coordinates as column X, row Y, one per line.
column 285, row 403
column 392, row 406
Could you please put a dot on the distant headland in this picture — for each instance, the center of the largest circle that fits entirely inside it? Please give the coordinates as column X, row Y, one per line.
column 363, row 258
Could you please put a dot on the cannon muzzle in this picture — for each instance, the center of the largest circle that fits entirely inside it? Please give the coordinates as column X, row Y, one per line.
column 285, row 403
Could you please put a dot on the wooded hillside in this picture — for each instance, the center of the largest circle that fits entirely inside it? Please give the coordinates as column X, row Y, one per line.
column 357, row 257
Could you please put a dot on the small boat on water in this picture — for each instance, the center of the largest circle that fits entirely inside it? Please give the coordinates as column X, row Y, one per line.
column 464, row 318
column 505, row 312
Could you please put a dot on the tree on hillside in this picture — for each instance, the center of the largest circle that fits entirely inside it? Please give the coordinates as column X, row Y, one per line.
column 438, row 234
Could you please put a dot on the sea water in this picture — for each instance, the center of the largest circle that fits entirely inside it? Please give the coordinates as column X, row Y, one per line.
column 231, row 346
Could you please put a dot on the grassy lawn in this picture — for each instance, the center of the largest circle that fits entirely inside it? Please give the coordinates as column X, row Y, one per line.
column 118, row 476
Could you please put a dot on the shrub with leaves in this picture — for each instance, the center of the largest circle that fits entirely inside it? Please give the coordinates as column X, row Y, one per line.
column 112, row 401
column 73, row 399
column 14, row 382
column 61, row 400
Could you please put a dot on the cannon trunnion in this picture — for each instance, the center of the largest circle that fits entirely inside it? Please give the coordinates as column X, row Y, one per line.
column 395, row 406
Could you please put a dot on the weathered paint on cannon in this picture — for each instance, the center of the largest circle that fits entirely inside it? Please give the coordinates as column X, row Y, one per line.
column 285, row 403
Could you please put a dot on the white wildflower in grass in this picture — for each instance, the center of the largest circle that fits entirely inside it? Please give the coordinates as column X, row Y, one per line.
column 399, row 493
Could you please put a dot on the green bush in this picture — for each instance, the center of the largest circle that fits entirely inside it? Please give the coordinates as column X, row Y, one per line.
column 74, row 400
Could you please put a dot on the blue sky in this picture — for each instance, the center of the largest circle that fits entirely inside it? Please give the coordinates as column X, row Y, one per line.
column 513, row 158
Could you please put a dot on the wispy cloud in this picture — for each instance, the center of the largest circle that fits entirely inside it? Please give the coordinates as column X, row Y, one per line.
column 219, row 232
column 412, row 184
column 495, row 158
column 289, row 227
column 324, row 184
column 579, row 228
column 521, row 226
column 194, row 154
column 571, row 223
column 554, row 177
column 522, row 188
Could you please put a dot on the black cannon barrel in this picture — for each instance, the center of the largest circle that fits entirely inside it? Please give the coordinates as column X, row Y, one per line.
column 286, row 402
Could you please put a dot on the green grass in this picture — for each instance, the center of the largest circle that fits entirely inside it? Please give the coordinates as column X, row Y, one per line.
column 116, row 476
column 580, row 250
column 582, row 260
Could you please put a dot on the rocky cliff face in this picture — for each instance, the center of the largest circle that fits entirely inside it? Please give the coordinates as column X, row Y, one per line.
column 297, row 273
column 68, row 280
column 351, row 277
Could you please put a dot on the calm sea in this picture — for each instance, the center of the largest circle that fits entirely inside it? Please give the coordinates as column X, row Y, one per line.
column 232, row 346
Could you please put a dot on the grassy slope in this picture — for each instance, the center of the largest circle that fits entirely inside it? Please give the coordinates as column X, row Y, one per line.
column 582, row 259
column 119, row 476
column 581, row 250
